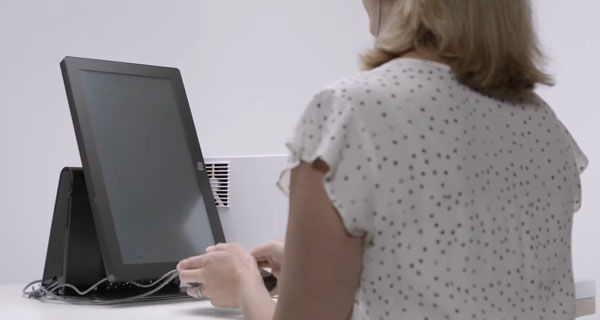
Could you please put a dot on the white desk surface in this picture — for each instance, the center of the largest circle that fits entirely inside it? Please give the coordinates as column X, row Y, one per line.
column 14, row 306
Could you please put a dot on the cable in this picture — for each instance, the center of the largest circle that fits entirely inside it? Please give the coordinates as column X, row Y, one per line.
column 150, row 285
column 173, row 274
column 44, row 294
column 81, row 293
column 55, row 286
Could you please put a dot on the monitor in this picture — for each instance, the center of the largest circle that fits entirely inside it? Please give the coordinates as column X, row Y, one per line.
column 150, row 196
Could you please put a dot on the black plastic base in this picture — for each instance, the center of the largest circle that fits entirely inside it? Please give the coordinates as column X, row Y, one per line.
column 73, row 254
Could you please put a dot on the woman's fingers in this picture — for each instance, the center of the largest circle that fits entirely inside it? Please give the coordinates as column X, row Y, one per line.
column 263, row 263
column 192, row 263
column 195, row 292
column 262, row 252
column 266, row 251
column 192, row 276
column 221, row 247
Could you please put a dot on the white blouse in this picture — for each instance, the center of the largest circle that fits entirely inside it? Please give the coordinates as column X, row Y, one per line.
column 465, row 202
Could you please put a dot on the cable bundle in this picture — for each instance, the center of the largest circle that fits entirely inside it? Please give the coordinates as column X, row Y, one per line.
column 48, row 293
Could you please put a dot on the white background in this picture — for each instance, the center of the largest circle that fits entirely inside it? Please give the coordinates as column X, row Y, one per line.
column 249, row 68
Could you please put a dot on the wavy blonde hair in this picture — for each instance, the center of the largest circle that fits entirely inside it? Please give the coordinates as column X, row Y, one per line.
column 490, row 45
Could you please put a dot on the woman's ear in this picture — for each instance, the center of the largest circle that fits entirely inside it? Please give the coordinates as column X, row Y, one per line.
column 385, row 10
column 377, row 17
column 373, row 8
column 379, row 12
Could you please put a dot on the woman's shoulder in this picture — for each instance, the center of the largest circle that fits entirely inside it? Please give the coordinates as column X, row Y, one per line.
column 352, row 83
column 355, row 89
column 397, row 78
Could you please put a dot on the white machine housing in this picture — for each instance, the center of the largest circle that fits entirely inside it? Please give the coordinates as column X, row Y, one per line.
column 252, row 208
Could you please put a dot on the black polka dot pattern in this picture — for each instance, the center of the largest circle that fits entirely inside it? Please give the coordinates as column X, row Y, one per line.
column 465, row 202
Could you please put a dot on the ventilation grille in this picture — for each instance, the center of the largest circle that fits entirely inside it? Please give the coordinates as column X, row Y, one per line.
column 219, row 175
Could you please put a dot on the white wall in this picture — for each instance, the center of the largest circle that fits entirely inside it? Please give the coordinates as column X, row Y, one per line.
column 249, row 68
column 250, row 64
column 570, row 32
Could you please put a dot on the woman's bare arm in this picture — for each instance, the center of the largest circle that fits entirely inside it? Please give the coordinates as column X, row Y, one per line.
column 322, row 262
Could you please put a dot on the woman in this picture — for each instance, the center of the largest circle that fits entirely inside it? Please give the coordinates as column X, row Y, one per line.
column 435, row 185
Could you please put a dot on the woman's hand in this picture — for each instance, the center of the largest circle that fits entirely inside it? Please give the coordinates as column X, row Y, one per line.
column 226, row 273
column 270, row 255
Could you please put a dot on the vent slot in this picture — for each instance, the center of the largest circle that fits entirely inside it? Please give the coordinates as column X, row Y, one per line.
column 219, row 175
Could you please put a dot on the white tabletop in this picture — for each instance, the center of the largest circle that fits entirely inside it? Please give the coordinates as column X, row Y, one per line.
column 14, row 306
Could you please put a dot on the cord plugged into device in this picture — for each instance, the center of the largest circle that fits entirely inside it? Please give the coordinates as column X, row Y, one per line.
column 49, row 292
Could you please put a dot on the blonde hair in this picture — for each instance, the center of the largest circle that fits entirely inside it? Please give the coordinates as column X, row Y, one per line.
column 490, row 45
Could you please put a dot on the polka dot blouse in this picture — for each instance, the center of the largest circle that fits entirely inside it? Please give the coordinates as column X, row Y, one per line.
column 465, row 202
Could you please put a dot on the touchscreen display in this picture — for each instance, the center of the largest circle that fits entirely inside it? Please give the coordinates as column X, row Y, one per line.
column 146, row 164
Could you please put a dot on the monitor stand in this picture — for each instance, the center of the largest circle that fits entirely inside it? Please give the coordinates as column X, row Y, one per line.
column 74, row 255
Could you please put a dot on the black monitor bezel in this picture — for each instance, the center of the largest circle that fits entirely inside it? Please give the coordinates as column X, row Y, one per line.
column 116, row 270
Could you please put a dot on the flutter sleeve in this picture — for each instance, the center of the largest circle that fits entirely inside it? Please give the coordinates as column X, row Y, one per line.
column 581, row 162
column 331, row 129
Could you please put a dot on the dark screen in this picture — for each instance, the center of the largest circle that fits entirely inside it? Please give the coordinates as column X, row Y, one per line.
column 146, row 163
